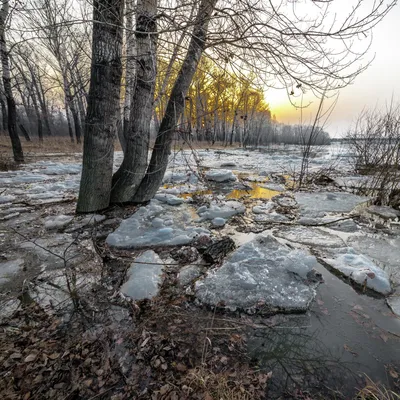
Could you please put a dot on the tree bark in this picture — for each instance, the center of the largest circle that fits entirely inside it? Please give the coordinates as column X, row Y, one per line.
column 25, row 132
column 103, row 106
column 3, row 114
column 70, row 131
column 11, row 108
column 133, row 167
column 130, row 72
column 162, row 147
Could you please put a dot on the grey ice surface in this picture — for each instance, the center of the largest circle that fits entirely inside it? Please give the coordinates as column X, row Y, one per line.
column 310, row 236
column 383, row 250
column 57, row 221
column 272, row 217
column 262, row 275
column 360, row 269
column 6, row 199
column 394, row 304
column 225, row 209
column 220, row 175
column 383, row 212
column 157, row 224
column 170, row 199
column 144, row 277
column 320, row 203
column 9, row 268
column 218, row 222
column 188, row 274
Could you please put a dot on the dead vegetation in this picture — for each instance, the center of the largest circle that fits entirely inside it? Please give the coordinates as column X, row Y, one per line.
column 375, row 145
column 377, row 391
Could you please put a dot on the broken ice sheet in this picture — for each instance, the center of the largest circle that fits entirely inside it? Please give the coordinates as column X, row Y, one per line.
column 262, row 275
column 310, row 236
column 157, row 224
column 318, row 204
column 224, row 209
column 220, row 175
column 359, row 269
column 10, row 268
column 144, row 277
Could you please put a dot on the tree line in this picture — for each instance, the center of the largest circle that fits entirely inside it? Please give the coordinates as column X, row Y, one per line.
column 172, row 67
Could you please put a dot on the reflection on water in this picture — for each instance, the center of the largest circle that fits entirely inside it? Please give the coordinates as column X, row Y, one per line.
column 298, row 359
column 331, row 349
column 256, row 192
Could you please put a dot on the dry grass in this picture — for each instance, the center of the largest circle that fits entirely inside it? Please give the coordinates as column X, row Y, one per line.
column 216, row 385
column 64, row 145
column 49, row 145
column 376, row 391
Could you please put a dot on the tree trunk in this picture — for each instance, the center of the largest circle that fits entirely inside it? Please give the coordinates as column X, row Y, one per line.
column 77, row 121
column 37, row 111
column 133, row 167
column 70, row 131
column 12, row 112
column 130, row 72
column 162, row 147
column 3, row 114
column 103, row 106
column 37, row 86
column 25, row 133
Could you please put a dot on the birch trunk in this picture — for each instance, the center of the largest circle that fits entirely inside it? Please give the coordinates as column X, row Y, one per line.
column 130, row 72
column 162, row 147
column 133, row 167
column 103, row 106
column 11, row 109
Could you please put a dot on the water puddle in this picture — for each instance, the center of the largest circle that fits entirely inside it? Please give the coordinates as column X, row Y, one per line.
column 256, row 192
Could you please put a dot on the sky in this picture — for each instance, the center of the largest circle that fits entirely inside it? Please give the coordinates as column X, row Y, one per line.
column 375, row 87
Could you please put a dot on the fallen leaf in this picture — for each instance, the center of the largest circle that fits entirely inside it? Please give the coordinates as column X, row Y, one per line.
column 54, row 356
column 16, row 356
column 164, row 389
column 27, row 396
column 30, row 358
column 347, row 348
column 384, row 337
column 181, row 367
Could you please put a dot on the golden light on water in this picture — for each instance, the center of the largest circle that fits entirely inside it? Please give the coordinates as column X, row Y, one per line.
column 256, row 192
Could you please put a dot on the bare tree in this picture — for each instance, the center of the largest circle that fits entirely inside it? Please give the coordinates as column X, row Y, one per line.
column 11, row 108
column 103, row 106
column 137, row 135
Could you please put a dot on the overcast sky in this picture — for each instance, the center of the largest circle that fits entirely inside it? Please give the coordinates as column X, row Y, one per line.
column 374, row 87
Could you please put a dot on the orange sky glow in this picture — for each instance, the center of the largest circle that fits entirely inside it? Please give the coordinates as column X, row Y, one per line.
column 375, row 87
